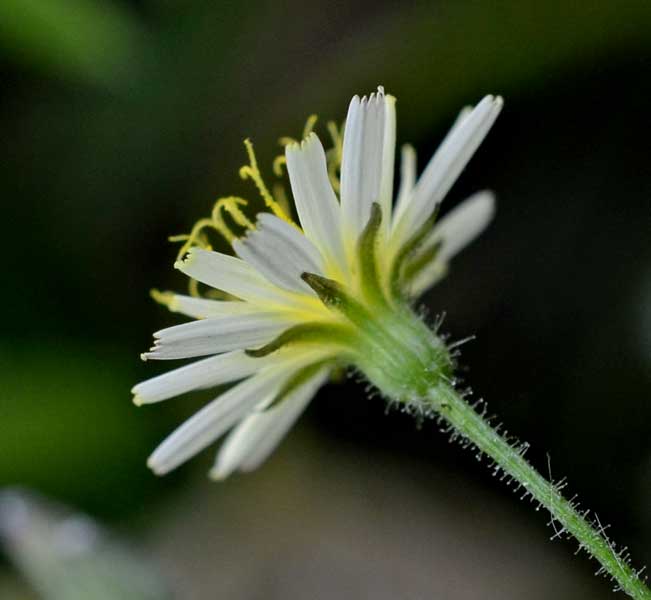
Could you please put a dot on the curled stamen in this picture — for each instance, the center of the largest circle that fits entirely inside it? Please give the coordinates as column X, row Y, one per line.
column 278, row 163
column 251, row 171
column 194, row 238
column 230, row 204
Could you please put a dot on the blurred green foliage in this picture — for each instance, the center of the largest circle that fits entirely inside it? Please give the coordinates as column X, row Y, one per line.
column 93, row 42
column 67, row 426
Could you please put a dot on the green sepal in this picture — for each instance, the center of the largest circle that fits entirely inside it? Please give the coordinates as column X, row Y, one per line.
column 408, row 249
column 329, row 291
column 371, row 336
column 306, row 332
column 297, row 380
column 366, row 250
column 334, row 296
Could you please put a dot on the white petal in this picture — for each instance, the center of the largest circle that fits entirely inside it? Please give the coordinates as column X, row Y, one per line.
column 388, row 160
column 361, row 168
column 221, row 334
column 456, row 230
column 316, row 202
column 431, row 274
column 408, row 167
column 253, row 440
column 446, row 165
column 202, row 308
column 231, row 275
column 463, row 224
column 217, row 417
column 205, row 426
column 208, row 372
column 281, row 253
column 463, row 113
column 407, row 180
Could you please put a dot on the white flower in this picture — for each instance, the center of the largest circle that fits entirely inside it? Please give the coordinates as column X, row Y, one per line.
column 301, row 291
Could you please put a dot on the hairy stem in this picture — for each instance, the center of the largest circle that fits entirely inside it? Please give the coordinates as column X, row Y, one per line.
column 463, row 418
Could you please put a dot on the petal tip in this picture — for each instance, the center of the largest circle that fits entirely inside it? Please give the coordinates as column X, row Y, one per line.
column 216, row 474
column 155, row 467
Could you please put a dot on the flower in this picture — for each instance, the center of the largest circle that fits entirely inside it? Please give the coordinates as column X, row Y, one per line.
column 301, row 298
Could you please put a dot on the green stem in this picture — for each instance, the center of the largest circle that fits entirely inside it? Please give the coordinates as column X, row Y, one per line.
column 413, row 366
column 453, row 409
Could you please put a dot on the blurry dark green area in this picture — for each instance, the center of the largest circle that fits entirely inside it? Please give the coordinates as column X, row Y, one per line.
column 122, row 121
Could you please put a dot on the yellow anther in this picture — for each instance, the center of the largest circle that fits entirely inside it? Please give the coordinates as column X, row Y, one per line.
column 278, row 163
column 164, row 298
column 251, row 171
column 286, row 140
column 194, row 238
column 197, row 237
column 230, row 204
column 309, row 125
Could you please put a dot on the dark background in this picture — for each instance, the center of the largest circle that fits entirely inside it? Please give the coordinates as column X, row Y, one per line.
column 121, row 121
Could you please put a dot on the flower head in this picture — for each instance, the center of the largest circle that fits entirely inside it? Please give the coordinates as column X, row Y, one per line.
column 330, row 288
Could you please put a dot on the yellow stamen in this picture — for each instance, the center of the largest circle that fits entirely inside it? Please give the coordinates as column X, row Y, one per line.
column 196, row 237
column 286, row 140
column 251, row 171
column 164, row 298
column 230, row 204
column 281, row 197
column 278, row 163
column 193, row 288
column 309, row 125
column 337, row 137
column 280, row 160
column 334, row 154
